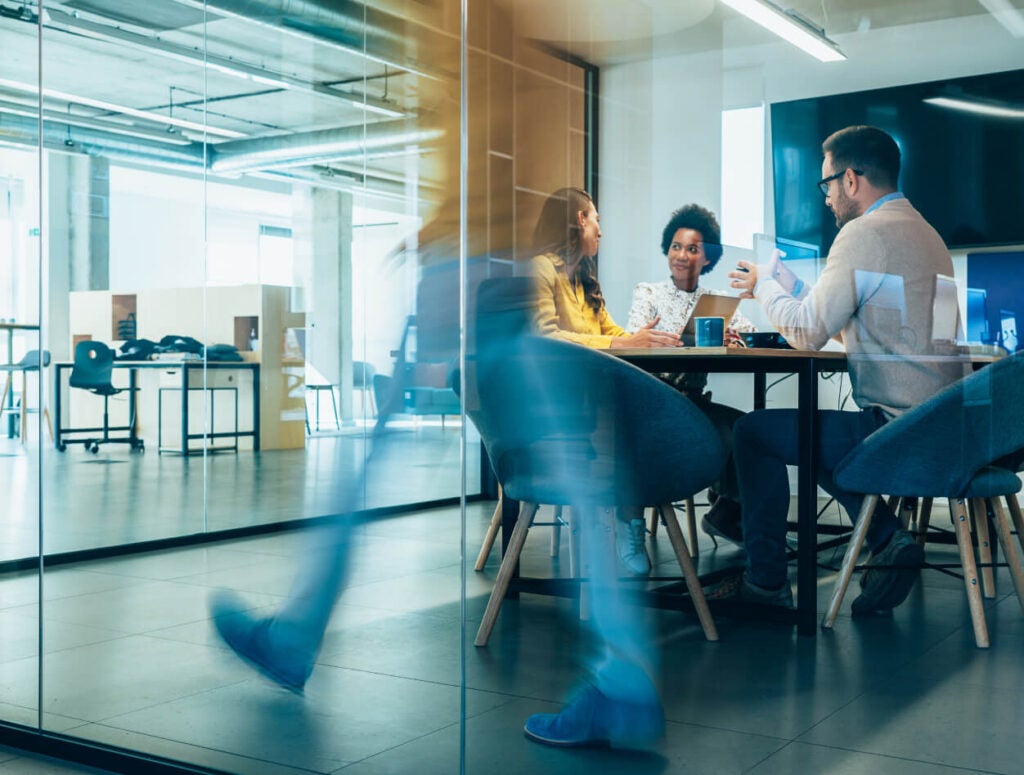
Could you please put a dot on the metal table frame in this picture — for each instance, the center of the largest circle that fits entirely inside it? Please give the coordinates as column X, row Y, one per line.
column 186, row 369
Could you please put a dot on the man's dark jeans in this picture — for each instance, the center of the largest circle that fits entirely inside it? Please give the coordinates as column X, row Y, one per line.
column 764, row 443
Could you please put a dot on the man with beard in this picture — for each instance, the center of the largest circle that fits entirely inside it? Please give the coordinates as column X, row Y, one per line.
column 875, row 295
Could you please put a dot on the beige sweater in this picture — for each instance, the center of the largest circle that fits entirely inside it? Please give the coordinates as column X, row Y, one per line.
column 876, row 294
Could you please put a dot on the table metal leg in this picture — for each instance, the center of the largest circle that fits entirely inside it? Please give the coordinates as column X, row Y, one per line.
column 807, row 497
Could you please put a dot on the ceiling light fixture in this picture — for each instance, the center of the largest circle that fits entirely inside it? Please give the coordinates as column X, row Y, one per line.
column 1010, row 17
column 979, row 106
column 790, row 27
column 148, row 115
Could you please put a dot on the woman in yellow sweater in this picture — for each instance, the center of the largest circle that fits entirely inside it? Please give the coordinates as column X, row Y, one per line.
column 569, row 303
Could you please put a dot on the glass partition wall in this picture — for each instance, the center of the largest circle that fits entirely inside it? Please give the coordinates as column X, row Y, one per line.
column 238, row 235
column 275, row 215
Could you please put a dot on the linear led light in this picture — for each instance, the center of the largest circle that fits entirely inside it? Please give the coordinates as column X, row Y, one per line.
column 1007, row 15
column 148, row 115
column 977, row 106
column 789, row 27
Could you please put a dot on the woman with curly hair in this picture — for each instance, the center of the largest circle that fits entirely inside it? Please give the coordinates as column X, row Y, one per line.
column 692, row 242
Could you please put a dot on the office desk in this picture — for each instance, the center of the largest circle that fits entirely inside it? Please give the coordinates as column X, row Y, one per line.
column 189, row 380
column 807, row 365
column 11, row 328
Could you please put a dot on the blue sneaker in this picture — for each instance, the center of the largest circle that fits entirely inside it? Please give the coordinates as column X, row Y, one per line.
column 249, row 639
column 592, row 719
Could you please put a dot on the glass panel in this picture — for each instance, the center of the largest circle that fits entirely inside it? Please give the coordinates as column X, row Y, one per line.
column 283, row 218
column 23, row 377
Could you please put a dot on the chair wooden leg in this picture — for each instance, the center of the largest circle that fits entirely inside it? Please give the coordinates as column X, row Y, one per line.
column 691, row 527
column 907, row 512
column 1018, row 520
column 867, row 509
column 958, row 513
column 700, row 604
column 1009, row 550
column 979, row 510
column 923, row 518
column 3, row 399
column 49, row 424
column 24, row 408
column 527, row 511
column 652, row 527
column 556, row 532
column 492, row 533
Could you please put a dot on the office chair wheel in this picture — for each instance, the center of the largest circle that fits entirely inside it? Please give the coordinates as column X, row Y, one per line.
column 62, row 447
column 93, row 447
column 138, row 445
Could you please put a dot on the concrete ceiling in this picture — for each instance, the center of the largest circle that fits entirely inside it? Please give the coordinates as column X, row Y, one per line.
column 617, row 31
column 269, row 77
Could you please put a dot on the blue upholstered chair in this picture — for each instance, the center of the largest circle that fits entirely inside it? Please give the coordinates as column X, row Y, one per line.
column 567, row 425
column 955, row 446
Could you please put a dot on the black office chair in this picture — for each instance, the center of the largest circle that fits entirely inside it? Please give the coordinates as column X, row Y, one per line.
column 33, row 361
column 93, row 370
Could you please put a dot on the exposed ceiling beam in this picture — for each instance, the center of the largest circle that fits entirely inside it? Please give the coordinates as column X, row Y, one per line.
column 147, row 115
column 319, row 146
column 58, row 20
column 356, row 29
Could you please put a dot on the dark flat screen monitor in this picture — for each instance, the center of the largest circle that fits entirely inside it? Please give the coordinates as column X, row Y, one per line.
column 995, row 297
column 961, row 170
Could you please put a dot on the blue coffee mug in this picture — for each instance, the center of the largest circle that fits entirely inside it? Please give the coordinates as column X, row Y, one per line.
column 710, row 332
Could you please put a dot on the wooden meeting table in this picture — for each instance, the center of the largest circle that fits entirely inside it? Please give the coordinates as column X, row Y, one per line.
column 759, row 362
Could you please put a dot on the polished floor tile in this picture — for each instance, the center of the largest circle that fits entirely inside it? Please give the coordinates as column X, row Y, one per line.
column 130, row 659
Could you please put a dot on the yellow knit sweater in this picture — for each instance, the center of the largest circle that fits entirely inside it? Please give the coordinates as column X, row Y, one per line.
column 561, row 309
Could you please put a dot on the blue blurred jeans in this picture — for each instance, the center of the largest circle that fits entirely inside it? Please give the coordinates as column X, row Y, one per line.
column 764, row 443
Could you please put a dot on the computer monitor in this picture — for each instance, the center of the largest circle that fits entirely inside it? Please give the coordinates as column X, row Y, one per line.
column 945, row 311
column 796, row 250
column 977, row 316
column 791, row 249
column 998, row 274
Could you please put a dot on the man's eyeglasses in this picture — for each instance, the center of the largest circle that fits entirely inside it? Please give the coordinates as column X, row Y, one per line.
column 823, row 183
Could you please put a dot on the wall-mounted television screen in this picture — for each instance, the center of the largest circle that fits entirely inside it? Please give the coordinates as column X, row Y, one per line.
column 962, row 170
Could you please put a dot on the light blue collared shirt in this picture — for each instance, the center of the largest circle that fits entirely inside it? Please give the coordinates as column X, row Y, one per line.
column 882, row 200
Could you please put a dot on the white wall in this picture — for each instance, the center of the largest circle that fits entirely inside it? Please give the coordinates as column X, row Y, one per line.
column 661, row 122
column 661, row 139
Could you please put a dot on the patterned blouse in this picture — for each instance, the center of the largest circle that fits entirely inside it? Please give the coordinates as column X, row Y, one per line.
column 675, row 307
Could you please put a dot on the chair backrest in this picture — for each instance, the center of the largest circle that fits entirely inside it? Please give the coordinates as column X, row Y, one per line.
column 31, row 360
column 362, row 375
column 93, row 366
column 936, row 448
column 566, row 424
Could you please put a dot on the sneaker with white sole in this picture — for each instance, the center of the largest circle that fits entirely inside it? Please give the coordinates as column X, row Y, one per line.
column 630, row 538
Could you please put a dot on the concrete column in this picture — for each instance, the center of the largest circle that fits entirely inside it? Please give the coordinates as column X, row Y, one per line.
column 77, row 237
column 329, row 336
